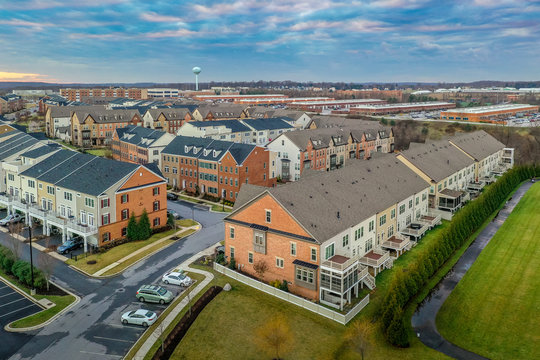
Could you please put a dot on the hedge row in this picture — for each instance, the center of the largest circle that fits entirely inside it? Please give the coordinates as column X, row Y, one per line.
column 404, row 286
column 20, row 269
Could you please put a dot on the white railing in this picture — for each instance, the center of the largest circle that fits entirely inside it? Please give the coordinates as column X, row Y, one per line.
column 396, row 245
column 339, row 266
column 375, row 262
column 416, row 232
column 293, row 299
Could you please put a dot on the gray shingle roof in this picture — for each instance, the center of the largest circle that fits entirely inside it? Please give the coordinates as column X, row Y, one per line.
column 138, row 135
column 40, row 151
column 478, row 144
column 267, row 124
column 357, row 192
column 234, row 125
column 16, row 144
column 102, row 115
column 438, row 159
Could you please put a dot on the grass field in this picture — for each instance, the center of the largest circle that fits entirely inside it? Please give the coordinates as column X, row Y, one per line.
column 493, row 311
column 239, row 313
column 99, row 152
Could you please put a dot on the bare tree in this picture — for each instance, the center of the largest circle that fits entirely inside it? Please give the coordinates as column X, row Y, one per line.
column 260, row 268
column 358, row 337
column 46, row 263
column 15, row 244
column 275, row 336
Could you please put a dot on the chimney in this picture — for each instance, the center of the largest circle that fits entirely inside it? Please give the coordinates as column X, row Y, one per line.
column 338, row 214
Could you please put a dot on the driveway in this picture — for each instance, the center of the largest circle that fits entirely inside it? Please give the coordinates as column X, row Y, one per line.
column 92, row 329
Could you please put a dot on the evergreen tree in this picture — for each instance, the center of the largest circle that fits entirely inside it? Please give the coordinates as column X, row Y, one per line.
column 145, row 229
column 132, row 228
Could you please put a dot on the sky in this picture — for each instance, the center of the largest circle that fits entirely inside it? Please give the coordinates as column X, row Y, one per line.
column 98, row 41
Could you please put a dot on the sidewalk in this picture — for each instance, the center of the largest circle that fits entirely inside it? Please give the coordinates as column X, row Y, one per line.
column 147, row 345
column 142, row 250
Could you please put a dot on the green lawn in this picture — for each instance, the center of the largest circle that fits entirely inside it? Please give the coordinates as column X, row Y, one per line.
column 221, row 208
column 99, row 152
column 186, row 222
column 61, row 303
column 493, row 310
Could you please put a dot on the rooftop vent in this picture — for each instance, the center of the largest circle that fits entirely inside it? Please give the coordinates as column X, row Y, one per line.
column 338, row 215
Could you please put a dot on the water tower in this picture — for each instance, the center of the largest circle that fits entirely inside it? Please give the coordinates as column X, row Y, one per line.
column 196, row 70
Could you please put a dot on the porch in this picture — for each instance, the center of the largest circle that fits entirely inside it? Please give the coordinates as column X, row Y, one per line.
column 450, row 200
column 397, row 243
column 378, row 260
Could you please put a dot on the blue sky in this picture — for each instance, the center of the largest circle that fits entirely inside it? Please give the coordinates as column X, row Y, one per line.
column 302, row 40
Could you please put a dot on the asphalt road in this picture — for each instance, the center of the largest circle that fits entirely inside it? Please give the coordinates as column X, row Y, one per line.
column 423, row 320
column 92, row 329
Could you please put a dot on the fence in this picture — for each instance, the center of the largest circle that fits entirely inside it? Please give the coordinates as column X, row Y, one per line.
column 293, row 299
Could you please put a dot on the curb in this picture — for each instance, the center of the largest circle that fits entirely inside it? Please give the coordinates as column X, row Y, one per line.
column 39, row 326
column 141, row 259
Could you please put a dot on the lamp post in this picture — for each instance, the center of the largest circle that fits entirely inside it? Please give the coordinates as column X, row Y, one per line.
column 32, row 290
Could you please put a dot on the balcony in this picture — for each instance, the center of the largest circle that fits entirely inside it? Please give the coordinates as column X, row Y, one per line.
column 339, row 263
column 416, row 229
column 397, row 242
column 431, row 219
column 375, row 258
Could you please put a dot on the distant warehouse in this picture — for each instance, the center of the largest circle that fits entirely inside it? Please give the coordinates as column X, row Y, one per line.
column 384, row 109
column 494, row 114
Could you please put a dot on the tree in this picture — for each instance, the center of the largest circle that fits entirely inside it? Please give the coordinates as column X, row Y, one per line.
column 133, row 228
column 144, row 226
column 15, row 244
column 396, row 332
column 275, row 336
column 46, row 263
column 358, row 337
column 260, row 268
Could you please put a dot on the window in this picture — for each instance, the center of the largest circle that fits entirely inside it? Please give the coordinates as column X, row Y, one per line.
column 106, row 236
column 124, row 199
column 369, row 245
column 329, row 251
column 11, row 177
column 314, row 254
column 259, row 243
column 125, row 214
column 232, row 252
column 268, row 216
column 250, row 257
column 401, row 209
column 105, row 219
column 279, row 262
column 304, row 275
column 68, row 196
column 382, row 220
column 105, row 203
column 410, row 203
column 156, row 221
column 293, row 249
column 124, row 231
column 50, row 190
column 371, row 225
column 231, row 232
column 89, row 202
column 392, row 213
column 417, row 200
column 31, row 183
column 424, row 197
column 156, row 190
column 246, row 169
column 156, row 205
column 346, row 240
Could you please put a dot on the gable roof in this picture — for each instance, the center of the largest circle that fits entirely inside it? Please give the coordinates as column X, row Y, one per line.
column 102, row 115
column 437, row 159
column 478, row 144
column 233, row 125
column 40, row 151
column 268, row 124
column 207, row 149
column 16, row 144
column 138, row 135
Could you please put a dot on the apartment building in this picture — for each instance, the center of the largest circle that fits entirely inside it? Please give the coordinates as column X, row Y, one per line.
column 327, row 148
column 167, row 119
column 60, row 116
column 10, row 103
column 300, row 119
column 446, row 168
column 84, row 195
column 220, row 112
column 78, row 94
column 214, row 167
column 162, row 93
column 139, row 145
column 95, row 127
column 327, row 234
column 226, row 130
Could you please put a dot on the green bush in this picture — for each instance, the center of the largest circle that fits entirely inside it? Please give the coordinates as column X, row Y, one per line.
column 232, row 264
column 22, row 271
column 145, row 230
column 220, row 258
column 284, row 285
column 7, row 258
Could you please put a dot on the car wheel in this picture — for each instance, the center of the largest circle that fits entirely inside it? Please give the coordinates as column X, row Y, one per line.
column 144, row 324
column 141, row 299
column 161, row 301
column 125, row 322
column 166, row 282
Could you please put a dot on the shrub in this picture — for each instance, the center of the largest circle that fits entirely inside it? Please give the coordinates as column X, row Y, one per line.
column 132, row 228
column 220, row 258
column 232, row 264
column 284, row 286
column 145, row 230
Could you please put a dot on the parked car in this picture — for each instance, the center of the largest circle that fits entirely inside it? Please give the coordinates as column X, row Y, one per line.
column 139, row 317
column 176, row 278
column 171, row 196
column 154, row 293
column 174, row 214
column 11, row 219
column 70, row 245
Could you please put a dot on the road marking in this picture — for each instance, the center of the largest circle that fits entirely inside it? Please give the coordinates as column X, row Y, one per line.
column 14, row 301
column 14, row 292
column 14, row 311
column 112, row 339
column 3, row 287
column 101, row 354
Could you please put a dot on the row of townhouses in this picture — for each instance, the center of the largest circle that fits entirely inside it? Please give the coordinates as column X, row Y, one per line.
column 78, row 194
column 330, row 233
column 10, row 103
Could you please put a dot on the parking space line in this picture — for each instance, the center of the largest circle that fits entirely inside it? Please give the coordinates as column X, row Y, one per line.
column 3, row 287
column 14, row 301
column 112, row 339
column 101, row 354
column 11, row 293
column 14, row 311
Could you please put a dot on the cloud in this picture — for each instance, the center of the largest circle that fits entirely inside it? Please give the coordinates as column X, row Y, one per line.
column 403, row 4
column 173, row 33
column 25, row 24
column 14, row 76
column 355, row 25
column 522, row 32
column 49, row 4
column 155, row 17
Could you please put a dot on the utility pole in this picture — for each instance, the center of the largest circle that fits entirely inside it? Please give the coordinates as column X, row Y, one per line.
column 33, row 290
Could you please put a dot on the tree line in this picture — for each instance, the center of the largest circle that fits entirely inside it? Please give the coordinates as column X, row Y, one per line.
column 404, row 286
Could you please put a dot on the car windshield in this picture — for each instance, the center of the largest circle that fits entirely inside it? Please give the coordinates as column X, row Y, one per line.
column 149, row 314
column 162, row 291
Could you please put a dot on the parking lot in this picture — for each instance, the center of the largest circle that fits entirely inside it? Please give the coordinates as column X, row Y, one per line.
column 14, row 306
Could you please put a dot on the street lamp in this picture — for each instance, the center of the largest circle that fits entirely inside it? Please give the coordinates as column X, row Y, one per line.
column 32, row 290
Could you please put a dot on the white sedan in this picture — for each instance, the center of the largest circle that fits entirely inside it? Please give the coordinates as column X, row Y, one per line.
column 176, row 278
column 139, row 317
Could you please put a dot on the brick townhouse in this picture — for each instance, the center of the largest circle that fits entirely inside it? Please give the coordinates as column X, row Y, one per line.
column 168, row 120
column 218, row 168
column 85, row 195
column 329, row 233
column 95, row 127
column 10, row 103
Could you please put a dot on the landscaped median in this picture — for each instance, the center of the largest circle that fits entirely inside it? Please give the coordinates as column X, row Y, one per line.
column 118, row 258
